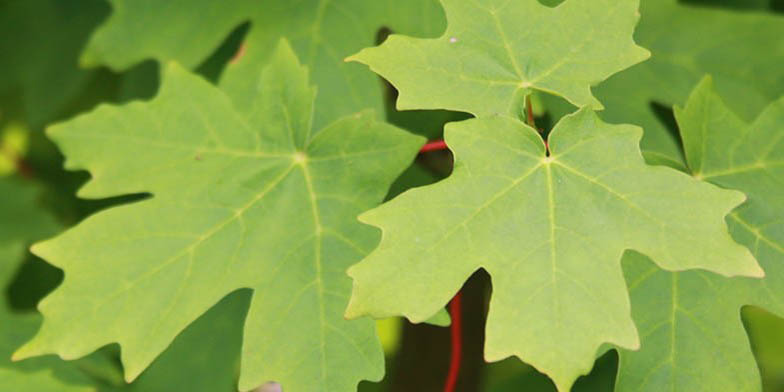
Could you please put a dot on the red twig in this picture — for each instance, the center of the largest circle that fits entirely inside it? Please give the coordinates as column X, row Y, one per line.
column 454, row 306
column 457, row 343
column 530, row 120
column 433, row 146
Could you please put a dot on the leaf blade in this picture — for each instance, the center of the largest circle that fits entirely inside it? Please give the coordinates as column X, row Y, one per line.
column 518, row 216
column 138, row 274
column 488, row 60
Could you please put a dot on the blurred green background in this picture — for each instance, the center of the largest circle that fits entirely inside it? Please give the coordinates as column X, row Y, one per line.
column 41, row 83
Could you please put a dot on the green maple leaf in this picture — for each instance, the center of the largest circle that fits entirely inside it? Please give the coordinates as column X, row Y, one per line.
column 494, row 52
column 23, row 221
column 686, row 43
column 243, row 196
column 550, row 230
column 41, row 40
column 692, row 335
column 212, row 343
column 322, row 33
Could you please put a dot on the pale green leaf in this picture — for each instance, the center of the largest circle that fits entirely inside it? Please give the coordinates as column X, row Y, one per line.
column 322, row 33
column 242, row 197
column 494, row 52
column 550, row 230
column 440, row 319
column 690, row 327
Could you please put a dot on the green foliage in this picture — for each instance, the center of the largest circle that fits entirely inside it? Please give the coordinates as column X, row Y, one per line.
column 205, row 356
column 767, row 341
column 224, row 151
column 221, row 176
column 321, row 32
column 40, row 41
column 487, row 60
column 741, row 50
column 576, row 203
column 691, row 320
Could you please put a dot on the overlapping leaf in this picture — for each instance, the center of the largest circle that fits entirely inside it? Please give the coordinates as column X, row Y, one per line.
column 244, row 195
column 38, row 374
column 691, row 332
column 550, row 230
column 322, row 33
column 40, row 41
column 203, row 358
column 742, row 50
column 494, row 52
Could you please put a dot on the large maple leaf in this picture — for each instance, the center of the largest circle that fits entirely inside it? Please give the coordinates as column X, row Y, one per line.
column 550, row 230
column 692, row 335
column 243, row 196
column 322, row 33
column 495, row 52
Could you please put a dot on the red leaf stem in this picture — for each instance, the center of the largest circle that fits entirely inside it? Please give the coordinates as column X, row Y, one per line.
column 529, row 111
column 457, row 343
column 436, row 145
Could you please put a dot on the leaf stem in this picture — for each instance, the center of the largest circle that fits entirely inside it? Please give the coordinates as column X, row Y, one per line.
column 457, row 342
column 455, row 306
column 436, row 145
column 531, row 121
column 529, row 114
